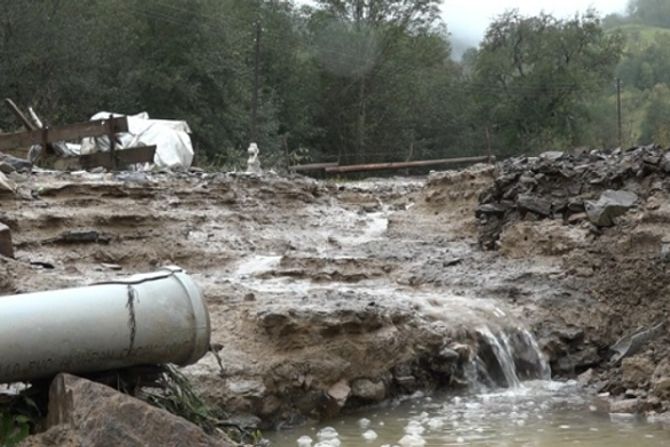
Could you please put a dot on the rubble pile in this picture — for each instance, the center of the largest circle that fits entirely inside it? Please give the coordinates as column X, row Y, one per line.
column 595, row 187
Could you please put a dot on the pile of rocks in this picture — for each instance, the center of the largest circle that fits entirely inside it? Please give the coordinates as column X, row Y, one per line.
column 597, row 187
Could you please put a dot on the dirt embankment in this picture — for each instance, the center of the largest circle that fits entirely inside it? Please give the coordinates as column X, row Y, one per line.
column 325, row 297
column 603, row 217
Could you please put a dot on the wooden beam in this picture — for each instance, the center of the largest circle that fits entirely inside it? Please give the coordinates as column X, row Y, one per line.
column 19, row 114
column 405, row 164
column 63, row 133
column 119, row 158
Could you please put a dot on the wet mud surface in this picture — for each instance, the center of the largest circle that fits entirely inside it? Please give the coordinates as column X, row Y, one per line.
column 324, row 297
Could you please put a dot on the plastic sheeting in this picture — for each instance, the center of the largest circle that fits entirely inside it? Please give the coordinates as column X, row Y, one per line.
column 174, row 149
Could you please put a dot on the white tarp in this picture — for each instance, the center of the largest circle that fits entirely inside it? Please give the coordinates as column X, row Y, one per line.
column 174, row 149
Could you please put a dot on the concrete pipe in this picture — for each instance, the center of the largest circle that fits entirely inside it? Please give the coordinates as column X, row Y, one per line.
column 147, row 319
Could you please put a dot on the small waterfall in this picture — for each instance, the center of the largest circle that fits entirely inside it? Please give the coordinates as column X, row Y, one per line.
column 507, row 357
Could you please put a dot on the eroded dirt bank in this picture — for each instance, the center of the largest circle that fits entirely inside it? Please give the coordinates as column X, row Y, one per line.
column 328, row 296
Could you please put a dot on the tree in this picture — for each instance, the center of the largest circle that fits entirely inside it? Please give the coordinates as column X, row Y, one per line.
column 656, row 124
column 534, row 75
column 650, row 12
column 362, row 49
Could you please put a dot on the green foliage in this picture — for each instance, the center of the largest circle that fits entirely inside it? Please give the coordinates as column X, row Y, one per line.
column 18, row 418
column 650, row 12
column 177, row 396
column 344, row 80
column 656, row 125
column 533, row 77
column 13, row 429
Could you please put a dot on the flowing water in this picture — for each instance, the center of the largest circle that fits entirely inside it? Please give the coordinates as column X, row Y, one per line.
column 500, row 409
column 511, row 399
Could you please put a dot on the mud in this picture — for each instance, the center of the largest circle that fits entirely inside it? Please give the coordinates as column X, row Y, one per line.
column 619, row 268
column 325, row 297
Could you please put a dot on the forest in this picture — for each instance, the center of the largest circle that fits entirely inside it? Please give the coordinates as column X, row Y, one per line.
column 350, row 81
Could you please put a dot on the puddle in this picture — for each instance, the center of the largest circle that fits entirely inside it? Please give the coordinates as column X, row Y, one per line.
column 536, row 414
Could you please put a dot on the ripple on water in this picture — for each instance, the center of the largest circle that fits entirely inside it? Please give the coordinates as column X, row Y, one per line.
column 542, row 414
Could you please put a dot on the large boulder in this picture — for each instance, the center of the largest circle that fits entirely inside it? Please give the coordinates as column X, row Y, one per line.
column 610, row 205
column 89, row 414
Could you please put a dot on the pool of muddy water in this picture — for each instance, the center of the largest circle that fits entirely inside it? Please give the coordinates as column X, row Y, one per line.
column 536, row 414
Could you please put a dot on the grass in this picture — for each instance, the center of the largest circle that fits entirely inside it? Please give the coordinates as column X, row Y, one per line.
column 177, row 396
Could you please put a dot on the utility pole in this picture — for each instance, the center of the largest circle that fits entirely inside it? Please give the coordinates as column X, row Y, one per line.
column 254, row 99
column 618, row 110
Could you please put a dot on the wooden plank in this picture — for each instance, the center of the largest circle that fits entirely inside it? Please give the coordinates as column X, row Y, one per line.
column 63, row 133
column 19, row 114
column 313, row 166
column 124, row 157
column 405, row 164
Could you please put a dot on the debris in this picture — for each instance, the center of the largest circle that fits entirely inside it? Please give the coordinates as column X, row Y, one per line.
column 174, row 149
column 253, row 163
column 9, row 164
column 631, row 344
column 6, row 246
column 43, row 264
column 610, row 205
column 47, row 136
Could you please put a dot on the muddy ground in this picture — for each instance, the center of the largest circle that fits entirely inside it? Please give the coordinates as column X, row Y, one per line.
column 325, row 296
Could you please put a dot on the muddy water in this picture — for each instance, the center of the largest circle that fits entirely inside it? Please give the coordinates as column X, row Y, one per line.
column 536, row 414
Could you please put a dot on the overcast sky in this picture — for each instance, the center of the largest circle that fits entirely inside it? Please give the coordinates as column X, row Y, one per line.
column 467, row 19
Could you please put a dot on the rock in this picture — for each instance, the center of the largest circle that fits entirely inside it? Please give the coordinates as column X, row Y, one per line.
column 490, row 209
column 586, row 377
column 6, row 184
column 247, row 387
column 552, row 155
column 576, row 218
column 6, row 168
column 629, row 406
column 58, row 436
column 661, row 419
column 637, row 370
column 610, row 205
column 6, row 246
column 98, row 415
column 83, row 237
column 369, row 390
column 340, row 392
column 9, row 163
column 464, row 351
column 660, row 380
column 448, row 355
column 535, row 204
column 580, row 360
